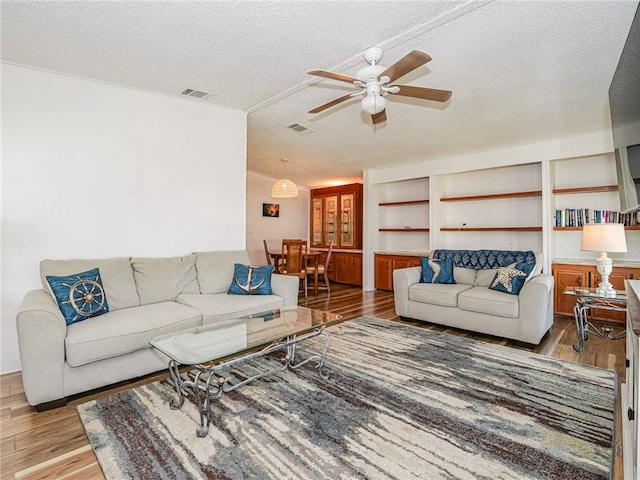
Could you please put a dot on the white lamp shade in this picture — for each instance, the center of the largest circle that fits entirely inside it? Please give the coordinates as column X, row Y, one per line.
column 284, row 188
column 373, row 103
column 604, row 237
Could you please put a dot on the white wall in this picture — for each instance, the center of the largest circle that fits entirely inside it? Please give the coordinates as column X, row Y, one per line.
column 91, row 170
column 293, row 221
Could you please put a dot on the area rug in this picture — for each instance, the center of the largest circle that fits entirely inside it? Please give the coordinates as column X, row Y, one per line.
column 400, row 402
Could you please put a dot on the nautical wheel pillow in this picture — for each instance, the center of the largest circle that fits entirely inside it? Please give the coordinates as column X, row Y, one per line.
column 249, row 280
column 79, row 296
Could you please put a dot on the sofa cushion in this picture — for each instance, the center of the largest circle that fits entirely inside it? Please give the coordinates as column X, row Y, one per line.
column 79, row 296
column 221, row 306
column 436, row 293
column 249, row 280
column 483, row 300
column 437, row 271
column 464, row 275
column 485, row 277
column 215, row 269
column 125, row 331
column 116, row 275
column 163, row 279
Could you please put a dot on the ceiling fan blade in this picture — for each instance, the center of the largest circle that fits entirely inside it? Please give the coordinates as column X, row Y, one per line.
column 331, row 103
column 406, row 64
column 424, row 93
column 333, row 76
column 377, row 118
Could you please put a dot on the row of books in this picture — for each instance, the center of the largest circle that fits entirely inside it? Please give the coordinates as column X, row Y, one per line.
column 577, row 217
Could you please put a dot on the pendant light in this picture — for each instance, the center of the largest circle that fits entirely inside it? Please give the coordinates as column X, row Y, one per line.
column 284, row 188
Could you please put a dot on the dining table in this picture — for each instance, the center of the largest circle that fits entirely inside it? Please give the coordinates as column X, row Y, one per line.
column 312, row 259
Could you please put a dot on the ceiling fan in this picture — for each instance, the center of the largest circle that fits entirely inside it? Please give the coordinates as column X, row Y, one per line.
column 373, row 81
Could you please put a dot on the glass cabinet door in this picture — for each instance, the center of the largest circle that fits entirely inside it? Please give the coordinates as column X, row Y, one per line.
column 331, row 219
column 347, row 236
column 316, row 221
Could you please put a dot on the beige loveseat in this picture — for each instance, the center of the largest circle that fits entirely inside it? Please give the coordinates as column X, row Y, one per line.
column 469, row 304
column 146, row 297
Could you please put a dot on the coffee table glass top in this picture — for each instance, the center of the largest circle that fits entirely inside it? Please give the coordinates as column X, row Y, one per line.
column 222, row 339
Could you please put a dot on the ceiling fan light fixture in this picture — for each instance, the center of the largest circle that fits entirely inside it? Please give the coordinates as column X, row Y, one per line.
column 373, row 103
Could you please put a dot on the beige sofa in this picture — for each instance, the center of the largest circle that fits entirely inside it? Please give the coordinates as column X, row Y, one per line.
column 469, row 304
column 146, row 297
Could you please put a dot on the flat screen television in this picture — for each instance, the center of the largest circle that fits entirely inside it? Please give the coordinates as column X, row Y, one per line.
column 624, row 104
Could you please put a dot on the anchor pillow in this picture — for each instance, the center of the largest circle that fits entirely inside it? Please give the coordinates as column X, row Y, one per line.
column 249, row 280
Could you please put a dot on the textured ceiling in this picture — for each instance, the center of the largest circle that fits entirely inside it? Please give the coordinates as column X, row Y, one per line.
column 520, row 71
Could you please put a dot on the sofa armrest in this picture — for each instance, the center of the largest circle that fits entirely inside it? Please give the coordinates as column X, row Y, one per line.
column 285, row 286
column 41, row 333
column 403, row 278
column 536, row 308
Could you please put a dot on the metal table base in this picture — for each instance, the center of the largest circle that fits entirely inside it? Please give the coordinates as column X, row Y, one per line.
column 207, row 385
column 585, row 327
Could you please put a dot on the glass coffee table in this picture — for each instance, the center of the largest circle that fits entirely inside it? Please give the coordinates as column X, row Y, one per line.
column 214, row 348
column 587, row 298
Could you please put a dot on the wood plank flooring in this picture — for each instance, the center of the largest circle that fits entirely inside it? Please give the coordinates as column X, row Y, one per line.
column 52, row 445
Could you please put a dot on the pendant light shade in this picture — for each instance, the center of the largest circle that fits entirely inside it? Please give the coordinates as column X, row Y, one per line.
column 284, row 188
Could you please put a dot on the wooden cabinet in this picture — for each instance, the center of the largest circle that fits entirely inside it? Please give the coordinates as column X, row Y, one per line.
column 336, row 216
column 584, row 275
column 346, row 267
column 385, row 264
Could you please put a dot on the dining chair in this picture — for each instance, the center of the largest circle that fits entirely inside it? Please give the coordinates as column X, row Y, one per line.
column 295, row 260
column 266, row 253
column 323, row 272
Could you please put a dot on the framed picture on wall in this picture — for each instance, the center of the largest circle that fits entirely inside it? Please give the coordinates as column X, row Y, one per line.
column 270, row 210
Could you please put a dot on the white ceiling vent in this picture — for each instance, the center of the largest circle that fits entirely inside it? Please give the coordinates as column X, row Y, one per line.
column 189, row 92
column 301, row 129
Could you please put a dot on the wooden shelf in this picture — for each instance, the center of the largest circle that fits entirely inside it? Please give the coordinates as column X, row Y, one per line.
column 403, row 229
column 407, row 202
column 491, row 229
column 493, row 196
column 628, row 227
column 594, row 189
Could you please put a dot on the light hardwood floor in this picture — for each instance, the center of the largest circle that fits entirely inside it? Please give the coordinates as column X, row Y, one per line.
column 52, row 445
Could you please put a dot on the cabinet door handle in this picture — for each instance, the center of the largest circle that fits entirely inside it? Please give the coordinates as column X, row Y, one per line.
column 579, row 281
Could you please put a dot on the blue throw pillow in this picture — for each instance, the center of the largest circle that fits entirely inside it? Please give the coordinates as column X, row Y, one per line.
column 510, row 279
column 79, row 296
column 436, row 271
column 248, row 280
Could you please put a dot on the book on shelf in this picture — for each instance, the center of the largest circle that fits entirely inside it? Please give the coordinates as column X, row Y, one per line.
column 577, row 217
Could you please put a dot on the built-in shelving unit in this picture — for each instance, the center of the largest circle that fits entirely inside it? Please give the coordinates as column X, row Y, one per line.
column 403, row 229
column 594, row 189
column 491, row 229
column 407, row 202
column 402, row 215
column 493, row 196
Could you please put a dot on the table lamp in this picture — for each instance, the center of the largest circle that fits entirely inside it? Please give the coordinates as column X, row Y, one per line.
column 603, row 238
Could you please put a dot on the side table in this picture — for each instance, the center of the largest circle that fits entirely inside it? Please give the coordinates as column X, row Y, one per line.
column 587, row 298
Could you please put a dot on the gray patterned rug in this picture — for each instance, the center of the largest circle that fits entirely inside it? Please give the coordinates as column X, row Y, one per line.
column 401, row 402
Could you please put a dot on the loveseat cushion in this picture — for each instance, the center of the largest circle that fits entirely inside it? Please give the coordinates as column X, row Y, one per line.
column 163, row 279
column 436, row 293
column 484, row 300
column 125, row 331
column 215, row 269
column 464, row 275
column 116, row 275
column 221, row 306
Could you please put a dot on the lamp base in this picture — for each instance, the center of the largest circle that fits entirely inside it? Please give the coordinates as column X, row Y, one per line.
column 606, row 292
